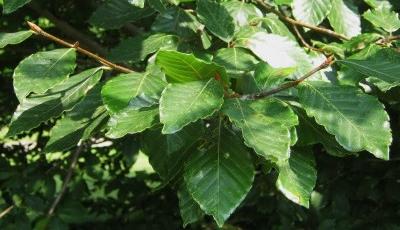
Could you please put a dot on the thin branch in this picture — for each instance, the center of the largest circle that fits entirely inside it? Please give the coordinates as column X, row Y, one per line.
column 69, row 30
column 298, row 23
column 39, row 31
column 286, row 85
column 303, row 41
column 67, row 179
column 6, row 211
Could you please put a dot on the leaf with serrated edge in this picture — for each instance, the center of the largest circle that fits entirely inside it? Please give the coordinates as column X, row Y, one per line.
column 344, row 18
column 216, row 19
column 358, row 121
column 297, row 177
column 383, row 65
column 265, row 126
column 311, row 12
column 181, row 104
column 219, row 177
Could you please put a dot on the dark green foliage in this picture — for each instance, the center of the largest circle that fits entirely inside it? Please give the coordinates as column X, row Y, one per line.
column 186, row 140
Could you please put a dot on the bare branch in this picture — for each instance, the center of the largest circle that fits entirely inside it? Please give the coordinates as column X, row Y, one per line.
column 298, row 23
column 39, row 31
column 6, row 211
column 67, row 179
column 286, row 85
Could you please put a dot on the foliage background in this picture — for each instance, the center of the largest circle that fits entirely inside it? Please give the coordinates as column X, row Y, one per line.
column 351, row 193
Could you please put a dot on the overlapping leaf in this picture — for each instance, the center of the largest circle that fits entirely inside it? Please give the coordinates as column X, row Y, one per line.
column 135, row 90
column 383, row 18
column 216, row 19
column 190, row 210
column 297, row 177
column 181, row 104
column 131, row 120
column 178, row 21
column 43, row 70
column 181, row 67
column 39, row 108
column 236, row 61
column 113, row 14
column 344, row 18
column 138, row 48
column 358, row 121
column 265, row 126
column 219, row 177
column 312, row 12
column 383, row 64
column 79, row 123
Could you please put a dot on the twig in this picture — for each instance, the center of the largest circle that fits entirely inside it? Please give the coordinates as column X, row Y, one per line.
column 67, row 179
column 298, row 23
column 69, row 30
column 303, row 41
column 287, row 85
column 6, row 211
column 39, row 31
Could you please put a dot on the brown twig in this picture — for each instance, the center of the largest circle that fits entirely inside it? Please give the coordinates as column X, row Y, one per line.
column 287, row 85
column 6, row 211
column 67, row 179
column 298, row 23
column 39, row 31
column 68, row 30
column 303, row 41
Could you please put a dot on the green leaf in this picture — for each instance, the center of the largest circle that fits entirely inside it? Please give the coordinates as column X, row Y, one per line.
column 77, row 124
column 265, row 126
column 383, row 18
column 267, row 77
column 297, row 177
column 167, row 153
column 138, row 3
column 312, row 133
column 14, row 38
column 138, row 48
column 10, row 6
column 131, row 120
column 376, row 4
column 177, row 20
column 135, row 90
column 279, row 52
column 181, row 104
column 39, row 108
column 311, row 12
column 383, row 65
column 181, row 67
column 236, row 61
column 216, row 19
column 158, row 5
column 189, row 209
column 41, row 71
column 358, row 121
column 242, row 12
column 274, row 25
column 113, row 14
column 219, row 177
column 344, row 18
